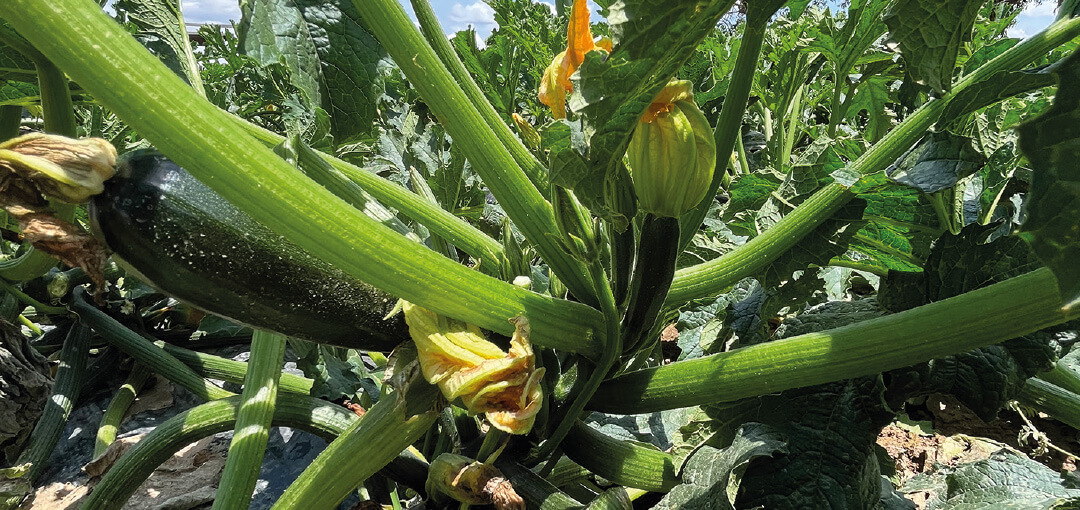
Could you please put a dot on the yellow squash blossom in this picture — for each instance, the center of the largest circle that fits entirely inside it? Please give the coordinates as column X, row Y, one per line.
column 456, row 357
column 556, row 81
column 672, row 153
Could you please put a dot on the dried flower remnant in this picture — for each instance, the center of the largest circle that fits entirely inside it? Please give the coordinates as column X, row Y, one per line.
column 471, row 482
column 60, row 167
column 464, row 364
column 36, row 166
column 556, row 81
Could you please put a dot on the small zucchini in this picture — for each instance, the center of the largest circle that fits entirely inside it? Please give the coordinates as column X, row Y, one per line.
column 179, row 236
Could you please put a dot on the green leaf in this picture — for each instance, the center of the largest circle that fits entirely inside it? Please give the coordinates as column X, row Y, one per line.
column 828, row 240
column 1052, row 144
column 274, row 31
column 830, row 460
column 844, row 45
column 872, row 96
column 159, row 25
column 332, row 59
column 1001, row 85
column 983, row 379
column 1005, row 480
column 712, row 476
column 930, row 34
column 937, row 162
column 352, row 66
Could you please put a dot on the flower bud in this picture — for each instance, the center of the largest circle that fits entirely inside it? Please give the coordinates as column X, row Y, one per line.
column 528, row 132
column 64, row 168
column 672, row 153
column 464, row 364
column 575, row 224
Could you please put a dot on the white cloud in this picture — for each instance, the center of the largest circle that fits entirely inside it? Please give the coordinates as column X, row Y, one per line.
column 1016, row 32
column 477, row 14
column 1042, row 9
column 211, row 11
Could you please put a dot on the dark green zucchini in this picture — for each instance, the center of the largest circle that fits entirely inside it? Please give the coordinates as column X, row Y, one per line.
column 186, row 241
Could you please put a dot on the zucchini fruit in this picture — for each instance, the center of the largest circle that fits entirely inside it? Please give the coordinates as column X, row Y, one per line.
column 180, row 237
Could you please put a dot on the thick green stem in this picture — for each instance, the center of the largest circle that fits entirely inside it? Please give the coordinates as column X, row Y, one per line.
column 253, row 420
column 134, row 84
column 986, row 316
column 536, row 491
column 120, row 482
column 10, row 121
column 216, row 367
column 118, row 407
column 714, row 276
column 388, row 428
column 442, row 222
column 1060, row 403
column 69, row 379
column 143, row 350
column 429, row 25
column 729, row 126
column 611, row 352
column 1063, row 376
column 487, row 154
column 620, row 461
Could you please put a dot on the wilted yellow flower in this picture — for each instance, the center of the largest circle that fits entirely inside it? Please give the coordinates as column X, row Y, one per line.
column 556, row 81
column 672, row 153
column 471, row 482
column 464, row 364
column 64, row 168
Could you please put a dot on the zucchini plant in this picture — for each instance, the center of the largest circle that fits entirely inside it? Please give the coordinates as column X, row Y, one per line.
column 630, row 263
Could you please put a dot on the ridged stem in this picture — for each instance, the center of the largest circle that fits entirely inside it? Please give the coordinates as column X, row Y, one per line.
column 118, row 407
column 216, row 367
column 1062, row 376
column 143, row 350
column 986, row 316
column 429, row 26
column 122, row 75
column 1060, row 403
column 10, row 121
column 120, row 482
column 712, row 277
column 517, row 195
column 66, row 388
column 729, row 125
column 253, row 420
column 387, row 429
column 621, row 462
column 442, row 222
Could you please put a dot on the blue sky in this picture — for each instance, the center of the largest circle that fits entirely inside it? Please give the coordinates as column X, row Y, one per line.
column 457, row 15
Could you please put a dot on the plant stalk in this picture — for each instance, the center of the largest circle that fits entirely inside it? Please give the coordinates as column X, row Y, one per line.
column 489, row 157
column 712, row 277
column 134, row 84
column 253, row 420
column 986, row 316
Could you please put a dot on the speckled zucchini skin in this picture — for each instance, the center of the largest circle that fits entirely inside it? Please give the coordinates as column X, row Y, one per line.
column 187, row 241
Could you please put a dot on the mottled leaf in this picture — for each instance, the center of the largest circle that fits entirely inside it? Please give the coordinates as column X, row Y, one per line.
column 937, row 162
column 999, row 86
column 159, row 26
column 712, row 476
column 1005, row 480
column 830, row 460
column 332, row 60
column 1052, row 144
column 930, row 34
